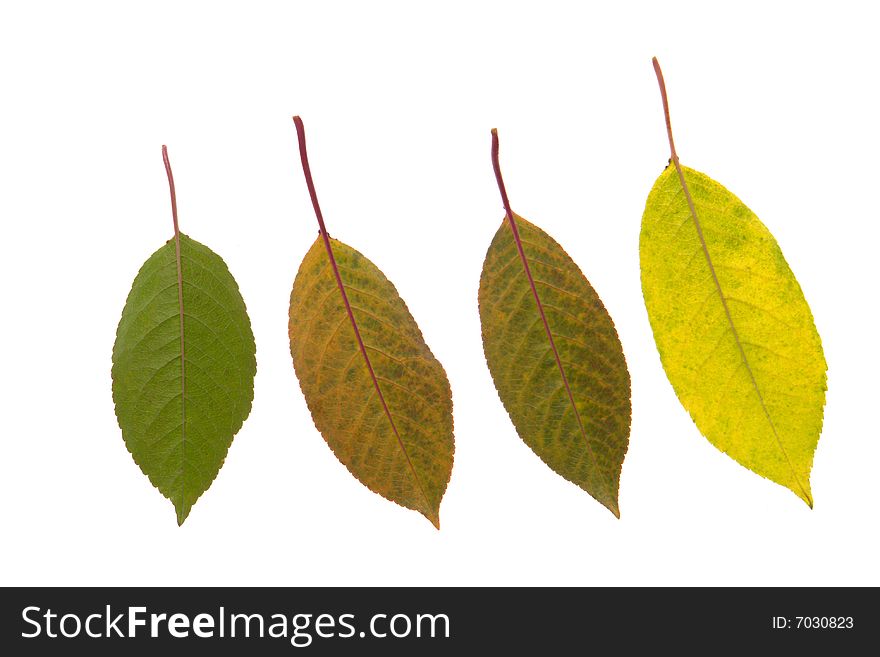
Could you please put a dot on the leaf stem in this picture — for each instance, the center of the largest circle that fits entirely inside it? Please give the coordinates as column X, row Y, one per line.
column 307, row 172
column 662, row 84
column 610, row 502
column 171, row 187
column 180, row 516
column 430, row 512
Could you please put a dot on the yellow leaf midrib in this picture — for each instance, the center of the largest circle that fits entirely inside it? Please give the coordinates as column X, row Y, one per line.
column 705, row 249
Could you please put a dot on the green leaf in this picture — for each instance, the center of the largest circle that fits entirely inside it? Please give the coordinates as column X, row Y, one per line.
column 183, row 369
column 734, row 331
column 554, row 356
column 375, row 391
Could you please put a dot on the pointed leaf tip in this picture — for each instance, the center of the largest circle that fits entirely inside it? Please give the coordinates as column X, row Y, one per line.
column 435, row 520
column 807, row 495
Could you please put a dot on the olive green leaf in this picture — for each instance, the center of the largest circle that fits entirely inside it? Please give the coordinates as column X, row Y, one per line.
column 734, row 332
column 183, row 367
column 375, row 391
column 554, row 355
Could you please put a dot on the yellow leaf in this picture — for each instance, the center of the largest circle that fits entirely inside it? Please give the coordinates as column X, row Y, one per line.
column 732, row 326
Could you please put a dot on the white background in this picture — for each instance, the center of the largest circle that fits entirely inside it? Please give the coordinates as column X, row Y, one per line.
column 778, row 101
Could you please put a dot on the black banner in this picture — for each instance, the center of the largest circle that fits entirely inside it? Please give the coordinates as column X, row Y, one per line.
column 431, row 621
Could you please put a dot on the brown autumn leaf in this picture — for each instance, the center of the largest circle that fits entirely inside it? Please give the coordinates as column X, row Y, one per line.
column 376, row 393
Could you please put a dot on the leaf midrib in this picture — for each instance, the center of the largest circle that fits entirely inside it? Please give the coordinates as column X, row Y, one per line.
column 182, row 368
column 525, row 262
column 734, row 332
column 363, row 350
